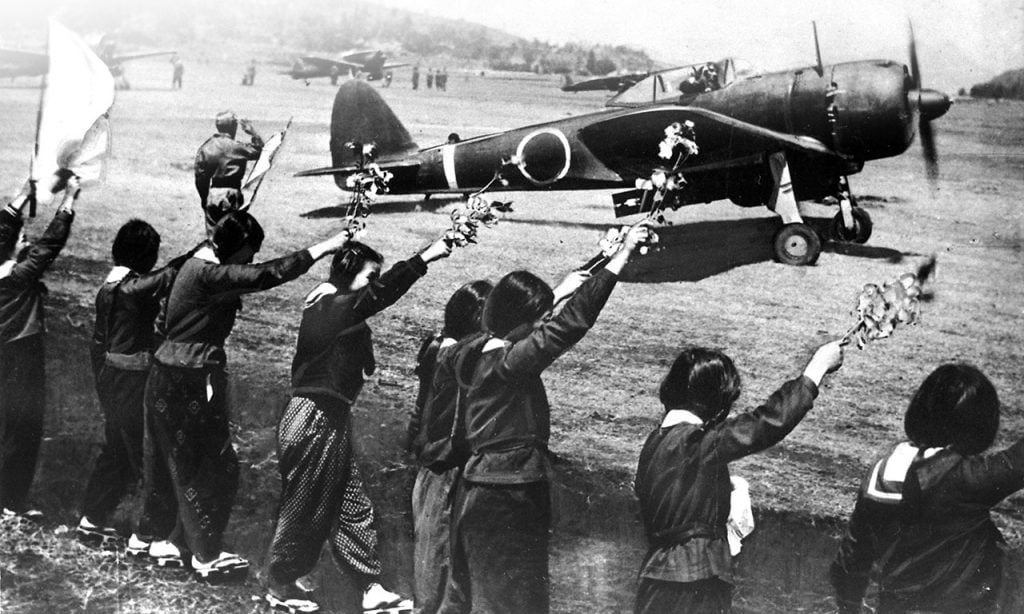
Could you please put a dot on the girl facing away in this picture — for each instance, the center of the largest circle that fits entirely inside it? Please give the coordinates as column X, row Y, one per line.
column 437, row 439
column 922, row 517
column 682, row 479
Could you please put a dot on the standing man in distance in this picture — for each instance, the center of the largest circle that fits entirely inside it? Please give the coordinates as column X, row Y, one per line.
column 220, row 167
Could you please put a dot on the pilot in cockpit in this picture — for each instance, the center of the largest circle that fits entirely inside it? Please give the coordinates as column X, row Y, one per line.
column 703, row 79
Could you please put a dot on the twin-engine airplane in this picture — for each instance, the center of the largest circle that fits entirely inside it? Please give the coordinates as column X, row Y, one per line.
column 767, row 139
column 372, row 64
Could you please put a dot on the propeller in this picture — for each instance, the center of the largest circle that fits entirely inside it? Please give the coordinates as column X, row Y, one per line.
column 930, row 104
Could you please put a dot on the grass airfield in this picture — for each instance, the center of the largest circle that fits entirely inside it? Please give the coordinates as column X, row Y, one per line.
column 711, row 282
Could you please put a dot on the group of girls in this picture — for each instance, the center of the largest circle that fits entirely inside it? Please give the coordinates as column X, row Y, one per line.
column 481, row 502
column 481, row 499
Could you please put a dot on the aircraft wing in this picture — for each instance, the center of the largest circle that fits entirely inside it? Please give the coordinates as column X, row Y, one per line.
column 615, row 83
column 22, row 63
column 327, row 64
column 125, row 57
column 393, row 66
column 626, row 142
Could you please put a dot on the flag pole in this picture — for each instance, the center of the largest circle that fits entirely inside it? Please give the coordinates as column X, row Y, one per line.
column 35, row 146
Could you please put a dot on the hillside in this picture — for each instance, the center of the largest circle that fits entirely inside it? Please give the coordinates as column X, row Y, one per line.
column 1009, row 84
column 277, row 31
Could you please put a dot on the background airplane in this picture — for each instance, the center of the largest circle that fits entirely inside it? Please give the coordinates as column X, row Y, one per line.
column 107, row 50
column 371, row 64
column 611, row 83
column 769, row 139
column 30, row 64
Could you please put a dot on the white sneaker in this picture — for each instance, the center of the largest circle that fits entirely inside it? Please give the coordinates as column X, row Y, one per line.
column 376, row 598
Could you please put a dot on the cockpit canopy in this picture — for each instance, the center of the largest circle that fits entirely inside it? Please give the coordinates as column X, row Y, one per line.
column 671, row 84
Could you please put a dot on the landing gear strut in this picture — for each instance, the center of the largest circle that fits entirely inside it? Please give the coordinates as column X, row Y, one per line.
column 851, row 224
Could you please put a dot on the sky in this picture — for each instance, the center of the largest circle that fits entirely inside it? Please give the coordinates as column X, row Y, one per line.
column 959, row 43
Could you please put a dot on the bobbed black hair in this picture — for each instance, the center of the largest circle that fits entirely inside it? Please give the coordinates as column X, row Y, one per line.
column 519, row 298
column 237, row 229
column 955, row 406
column 703, row 381
column 136, row 246
column 463, row 313
column 350, row 260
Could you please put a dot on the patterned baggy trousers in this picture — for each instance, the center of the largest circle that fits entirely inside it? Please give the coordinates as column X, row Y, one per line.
column 322, row 495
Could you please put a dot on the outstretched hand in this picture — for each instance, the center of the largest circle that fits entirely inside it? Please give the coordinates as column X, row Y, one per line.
column 330, row 245
column 440, row 248
column 826, row 359
column 72, row 188
column 637, row 235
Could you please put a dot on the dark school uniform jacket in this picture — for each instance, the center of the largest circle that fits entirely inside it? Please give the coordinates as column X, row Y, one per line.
column 440, row 442
column 426, row 360
column 508, row 419
column 221, row 161
column 334, row 351
column 204, row 300
column 22, row 290
column 922, row 521
column 124, row 334
column 682, row 483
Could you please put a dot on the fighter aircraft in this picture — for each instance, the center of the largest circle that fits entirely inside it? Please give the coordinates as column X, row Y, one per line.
column 30, row 64
column 611, row 83
column 769, row 139
column 107, row 50
column 371, row 64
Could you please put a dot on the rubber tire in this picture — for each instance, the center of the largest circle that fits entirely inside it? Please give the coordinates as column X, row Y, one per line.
column 796, row 244
column 861, row 227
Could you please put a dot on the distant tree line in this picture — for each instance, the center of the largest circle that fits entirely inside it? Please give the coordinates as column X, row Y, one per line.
column 332, row 26
column 1010, row 84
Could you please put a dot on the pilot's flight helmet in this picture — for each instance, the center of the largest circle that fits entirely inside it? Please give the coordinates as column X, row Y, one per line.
column 226, row 122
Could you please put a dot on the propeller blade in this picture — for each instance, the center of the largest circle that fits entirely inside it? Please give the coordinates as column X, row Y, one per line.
column 931, row 153
column 915, row 70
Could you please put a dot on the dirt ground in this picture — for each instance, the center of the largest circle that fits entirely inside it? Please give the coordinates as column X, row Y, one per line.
column 711, row 283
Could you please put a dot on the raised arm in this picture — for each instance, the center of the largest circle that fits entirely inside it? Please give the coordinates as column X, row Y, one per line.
column 750, row 432
column 43, row 252
column 234, row 279
column 990, row 478
column 393, row 284
column 553, row 338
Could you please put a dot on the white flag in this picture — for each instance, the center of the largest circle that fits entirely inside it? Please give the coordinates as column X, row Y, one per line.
column 266, row 159
column 73, row 132
column 267, row 155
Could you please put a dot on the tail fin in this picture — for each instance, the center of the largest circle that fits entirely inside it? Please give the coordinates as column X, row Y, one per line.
column 361, row 115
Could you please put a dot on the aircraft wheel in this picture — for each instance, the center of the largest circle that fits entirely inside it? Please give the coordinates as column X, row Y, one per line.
column 861, row 227
column 797, row 244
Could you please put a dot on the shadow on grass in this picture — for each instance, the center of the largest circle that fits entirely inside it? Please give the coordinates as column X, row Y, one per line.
column 692, row 252
column 391, row 206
